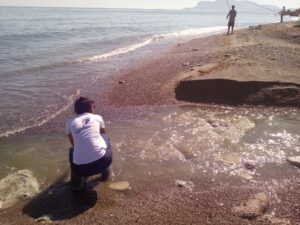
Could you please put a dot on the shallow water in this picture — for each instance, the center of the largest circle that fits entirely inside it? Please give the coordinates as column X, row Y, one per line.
column 216, row 140
column 177, row 141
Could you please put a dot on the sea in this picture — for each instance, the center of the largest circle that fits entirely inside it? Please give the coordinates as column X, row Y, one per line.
column 50, row 56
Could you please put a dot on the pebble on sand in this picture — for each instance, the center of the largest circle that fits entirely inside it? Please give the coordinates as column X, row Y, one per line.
column 249, row 166
column 186, row 184
column 253, row 207
column 119, row 186
column 295, row 160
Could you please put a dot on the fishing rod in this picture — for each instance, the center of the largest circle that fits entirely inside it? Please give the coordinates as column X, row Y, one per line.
column 272, row 10
column 257, row 5
column 228, row 4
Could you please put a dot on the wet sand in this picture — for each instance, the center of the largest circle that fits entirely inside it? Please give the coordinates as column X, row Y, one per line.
column 269, row 57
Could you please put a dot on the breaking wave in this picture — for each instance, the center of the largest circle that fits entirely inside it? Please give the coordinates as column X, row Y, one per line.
column 156, row 38
column 42, row 120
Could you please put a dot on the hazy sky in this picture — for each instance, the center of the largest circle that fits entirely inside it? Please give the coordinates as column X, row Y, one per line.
column 145, row 4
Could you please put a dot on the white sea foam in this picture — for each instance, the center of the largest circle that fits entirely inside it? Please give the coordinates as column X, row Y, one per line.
column 155, row 38
column 116, row 52
column 18, row 185
column 193, row 32
column 294, row 18
column 41, row 121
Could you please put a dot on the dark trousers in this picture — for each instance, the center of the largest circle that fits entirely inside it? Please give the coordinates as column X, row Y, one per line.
column 100, row 166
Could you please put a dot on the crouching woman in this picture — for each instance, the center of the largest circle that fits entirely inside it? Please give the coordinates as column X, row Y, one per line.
column 90, row 153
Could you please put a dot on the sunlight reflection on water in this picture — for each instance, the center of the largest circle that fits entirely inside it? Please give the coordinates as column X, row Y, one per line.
column 170, row 142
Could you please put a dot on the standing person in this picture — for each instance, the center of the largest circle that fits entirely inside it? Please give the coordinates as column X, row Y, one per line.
column 231, row 21
column 282, row 13
column 90, row 153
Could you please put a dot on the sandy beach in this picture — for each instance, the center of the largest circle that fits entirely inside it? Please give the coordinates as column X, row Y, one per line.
column 262, row 56
column 256, row 67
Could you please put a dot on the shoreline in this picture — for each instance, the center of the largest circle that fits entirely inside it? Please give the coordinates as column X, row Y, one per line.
column 153, row 84
column 185, row 64
column 215, row 58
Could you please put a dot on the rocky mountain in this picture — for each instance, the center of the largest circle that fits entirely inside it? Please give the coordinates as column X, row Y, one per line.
column 241, row 6
column 295, row 12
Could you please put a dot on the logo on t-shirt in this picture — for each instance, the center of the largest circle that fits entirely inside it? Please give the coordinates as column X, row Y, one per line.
column 85, row 125
column 86, row 121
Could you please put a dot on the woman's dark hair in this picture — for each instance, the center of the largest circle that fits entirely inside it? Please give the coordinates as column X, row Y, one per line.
column 83, row 105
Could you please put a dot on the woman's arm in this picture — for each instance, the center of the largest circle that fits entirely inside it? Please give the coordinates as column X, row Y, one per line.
column 71, row 139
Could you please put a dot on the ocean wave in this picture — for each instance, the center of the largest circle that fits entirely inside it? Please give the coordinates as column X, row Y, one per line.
column 193, row 32
column 117, row 52
column 42, row 121
column 155, row 38
column 152, row 39
column 123, row 50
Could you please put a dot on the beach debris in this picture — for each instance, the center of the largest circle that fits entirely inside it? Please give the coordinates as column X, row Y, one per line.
column 295, row 160
column 213, row 123
column 207, row 68
column 249, row 166
column 253, row 207
column 258, row 27
column 44, row 219
column 186, row 64
column 246, row 175
column 195, row 49
column 230, row 158
column 18, row 185
column 119, row 186
column 185, row 184
column 121, row 81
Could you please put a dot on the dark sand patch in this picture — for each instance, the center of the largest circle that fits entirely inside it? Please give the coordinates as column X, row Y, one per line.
column 232, row 92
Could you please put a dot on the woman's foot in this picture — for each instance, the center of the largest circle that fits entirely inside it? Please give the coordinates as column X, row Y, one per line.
column 78, row 184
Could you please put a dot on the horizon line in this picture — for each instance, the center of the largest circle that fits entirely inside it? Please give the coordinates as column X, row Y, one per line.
column 98, row 7
column 80, row 7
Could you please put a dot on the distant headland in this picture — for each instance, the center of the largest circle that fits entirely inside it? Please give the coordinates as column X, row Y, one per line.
column 241, row 6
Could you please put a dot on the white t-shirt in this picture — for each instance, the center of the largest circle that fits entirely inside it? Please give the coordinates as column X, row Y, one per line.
column 89, row 145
